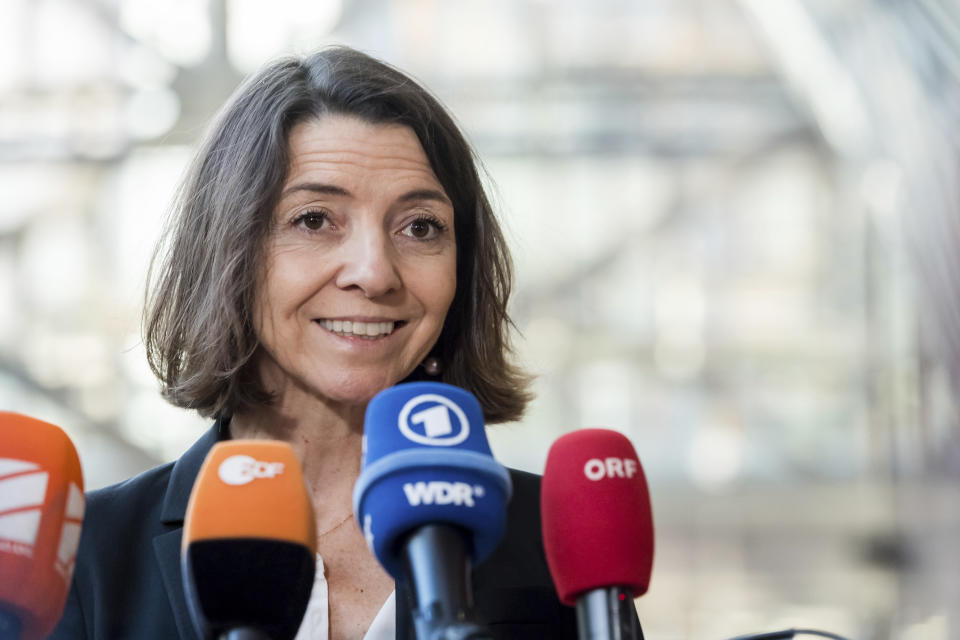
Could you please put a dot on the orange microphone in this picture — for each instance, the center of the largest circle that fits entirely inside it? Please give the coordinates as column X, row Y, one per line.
column 249, row 542
column 41, row 511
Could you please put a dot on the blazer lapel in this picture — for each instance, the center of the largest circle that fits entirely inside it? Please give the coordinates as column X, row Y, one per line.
column 166, row 545
column 167, row 549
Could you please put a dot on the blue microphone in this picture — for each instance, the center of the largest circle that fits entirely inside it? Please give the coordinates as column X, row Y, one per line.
column 431, row 500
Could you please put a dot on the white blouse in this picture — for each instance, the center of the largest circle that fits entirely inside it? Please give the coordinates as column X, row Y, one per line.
column 316, row 620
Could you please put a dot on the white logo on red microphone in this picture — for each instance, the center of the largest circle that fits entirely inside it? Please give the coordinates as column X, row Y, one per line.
column 23, row 489
column 70, row 535
column 23, row 486
column 241, row 469
column 597, row 469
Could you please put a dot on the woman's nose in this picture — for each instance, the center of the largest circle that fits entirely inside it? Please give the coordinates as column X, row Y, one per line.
column 369, row 264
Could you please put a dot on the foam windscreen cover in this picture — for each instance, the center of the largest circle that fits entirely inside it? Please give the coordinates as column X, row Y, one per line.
column 426, row 460
column 596, row 515
column 249, row 540
column 41, row 513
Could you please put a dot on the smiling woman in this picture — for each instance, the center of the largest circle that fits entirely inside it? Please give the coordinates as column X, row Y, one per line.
column 331, row 240
column 360, row 264
column 199, row 326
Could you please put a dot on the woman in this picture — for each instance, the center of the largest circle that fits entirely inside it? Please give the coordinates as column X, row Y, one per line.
column 332, row 239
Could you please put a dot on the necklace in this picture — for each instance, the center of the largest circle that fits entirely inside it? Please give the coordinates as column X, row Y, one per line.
column 336, row 526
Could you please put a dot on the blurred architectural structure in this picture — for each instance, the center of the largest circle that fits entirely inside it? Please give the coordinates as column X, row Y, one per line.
column 737, row 240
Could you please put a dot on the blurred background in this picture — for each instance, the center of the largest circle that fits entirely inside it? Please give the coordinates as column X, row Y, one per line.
column 736, row 226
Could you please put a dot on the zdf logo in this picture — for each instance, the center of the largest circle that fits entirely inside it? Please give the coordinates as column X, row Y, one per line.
column 433, row 420
column 237, row 470
column 597, row 469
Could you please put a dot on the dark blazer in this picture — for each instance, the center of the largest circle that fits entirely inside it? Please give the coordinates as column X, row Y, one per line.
column 127, row 583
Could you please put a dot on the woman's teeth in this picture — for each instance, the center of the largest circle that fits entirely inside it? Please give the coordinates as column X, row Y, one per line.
column 359, row 329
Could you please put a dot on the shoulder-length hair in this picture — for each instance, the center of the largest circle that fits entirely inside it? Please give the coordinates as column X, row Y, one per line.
column 198, row 321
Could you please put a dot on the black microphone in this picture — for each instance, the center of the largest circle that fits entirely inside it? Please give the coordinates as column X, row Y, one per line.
column 249, row 543
column 431, row 500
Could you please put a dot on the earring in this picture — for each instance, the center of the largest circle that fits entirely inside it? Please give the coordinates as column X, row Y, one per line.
column 432, row 366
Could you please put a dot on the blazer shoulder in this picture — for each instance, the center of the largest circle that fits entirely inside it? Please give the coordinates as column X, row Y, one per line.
column 527, row 483
column 132, row 494
column 129, row 509
column 520, row 553
column 515, row 596
column 524, row 505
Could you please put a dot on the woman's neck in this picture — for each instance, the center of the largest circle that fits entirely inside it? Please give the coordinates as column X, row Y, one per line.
column 327, row 439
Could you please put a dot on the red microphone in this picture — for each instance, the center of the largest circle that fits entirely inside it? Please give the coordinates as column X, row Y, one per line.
column 597, row 530
column 41, row 511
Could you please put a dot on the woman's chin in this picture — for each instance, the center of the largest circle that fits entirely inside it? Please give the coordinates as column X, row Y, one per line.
column 345, row 389
column 356, row 392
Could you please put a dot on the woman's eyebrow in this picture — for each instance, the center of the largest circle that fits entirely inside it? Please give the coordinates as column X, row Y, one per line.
column 316, row 187
column 425, row 194
column 334, row 190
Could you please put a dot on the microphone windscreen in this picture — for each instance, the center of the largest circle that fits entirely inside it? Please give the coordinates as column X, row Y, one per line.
column 249, row 540
column 41, row 513
column 426, row 460
column 596, row 515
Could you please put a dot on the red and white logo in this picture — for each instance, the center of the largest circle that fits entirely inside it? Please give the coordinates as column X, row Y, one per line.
column 597, row 469
column 23, row 487
column 70, row 535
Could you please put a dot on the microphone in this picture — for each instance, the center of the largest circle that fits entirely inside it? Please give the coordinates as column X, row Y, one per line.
column 41, row 512
column 597, row 530
column 431, row 500
column 249, row 543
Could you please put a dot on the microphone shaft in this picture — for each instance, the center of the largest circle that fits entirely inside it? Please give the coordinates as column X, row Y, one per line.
column 607, row 613
column 436, row 558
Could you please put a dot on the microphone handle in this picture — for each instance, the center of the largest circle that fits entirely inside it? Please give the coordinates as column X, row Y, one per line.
column 244, row 633
column 437, row 562
column 607, row 613
column 9, row 625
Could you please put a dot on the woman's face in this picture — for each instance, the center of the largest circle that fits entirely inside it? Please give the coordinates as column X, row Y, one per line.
column 360, row 264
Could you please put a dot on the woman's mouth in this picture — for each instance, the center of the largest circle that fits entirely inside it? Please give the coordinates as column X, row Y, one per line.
column 356, row 329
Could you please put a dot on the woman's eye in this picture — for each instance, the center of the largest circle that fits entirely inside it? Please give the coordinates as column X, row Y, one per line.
column 423, row 229
column 312, row 220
